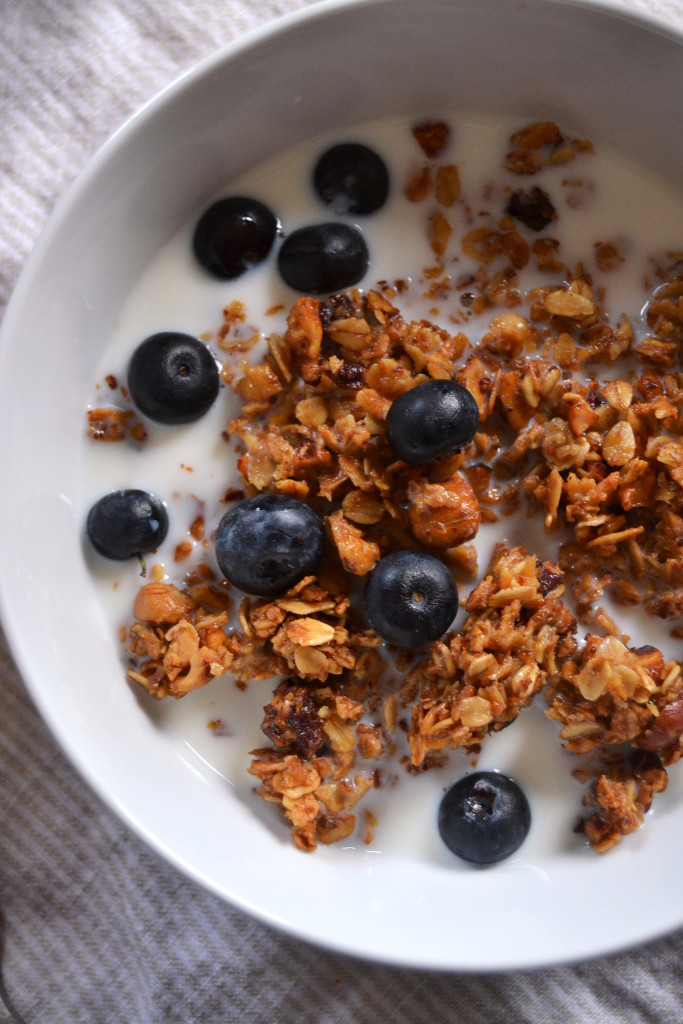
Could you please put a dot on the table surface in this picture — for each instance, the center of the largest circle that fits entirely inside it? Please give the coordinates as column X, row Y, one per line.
column 97, row 928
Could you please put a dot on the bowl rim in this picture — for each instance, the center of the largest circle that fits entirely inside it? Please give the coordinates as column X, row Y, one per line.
column 252, row 38
column 14, row 633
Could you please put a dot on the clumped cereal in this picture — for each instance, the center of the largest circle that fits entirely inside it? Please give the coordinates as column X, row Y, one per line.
column 513, row 640
column 627, row 704
column 597, row 456
column 321, row 435
column 310, row 769
column 178, row 639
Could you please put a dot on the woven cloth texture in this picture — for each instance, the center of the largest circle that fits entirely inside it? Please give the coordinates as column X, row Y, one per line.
column 97, row 928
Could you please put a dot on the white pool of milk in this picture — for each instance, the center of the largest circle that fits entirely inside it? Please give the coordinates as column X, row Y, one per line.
column 599, row 198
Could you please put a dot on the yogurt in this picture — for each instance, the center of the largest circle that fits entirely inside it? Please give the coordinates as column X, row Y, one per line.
column 599, row 198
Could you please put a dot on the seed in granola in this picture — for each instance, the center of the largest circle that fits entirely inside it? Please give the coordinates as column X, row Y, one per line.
column 233, row 235
column 432, row 421
column 351, row 178
column 322, row 258
column 534, row 208
column 484, row 817
column 125, row 524
column 410, row 598
column 266, row 544
column 173, row 378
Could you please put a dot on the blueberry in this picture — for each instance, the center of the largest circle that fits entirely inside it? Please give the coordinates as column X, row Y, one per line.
column 123, row 524
column 351, row 178
column 266, row 544
column 534, row 209
column 431, row 421
column 323, row 258
column 410, row 598
column 484, row 817
column 233, row 235
column 173, row 378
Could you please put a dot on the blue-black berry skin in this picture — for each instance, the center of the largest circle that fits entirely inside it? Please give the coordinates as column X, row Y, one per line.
column 266, row 544
column 173, row 378
column 431, row 421
column 484, row 817
column 410, row 598
column 323, row 258
column 124, row 524
column 233, row 235
column 351, row 178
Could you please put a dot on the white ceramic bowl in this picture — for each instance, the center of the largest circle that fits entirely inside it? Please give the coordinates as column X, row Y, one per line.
column 337, row 63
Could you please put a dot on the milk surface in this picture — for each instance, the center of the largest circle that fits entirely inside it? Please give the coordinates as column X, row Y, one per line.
column 599, row 197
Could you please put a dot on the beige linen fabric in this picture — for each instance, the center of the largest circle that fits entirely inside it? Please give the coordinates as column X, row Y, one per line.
column 98, row 929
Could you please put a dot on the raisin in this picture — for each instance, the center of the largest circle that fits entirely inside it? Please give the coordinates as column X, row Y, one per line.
column 549, row 577
column 350, row 375
column 292, row 719
column 534, row 209
column 595, row 399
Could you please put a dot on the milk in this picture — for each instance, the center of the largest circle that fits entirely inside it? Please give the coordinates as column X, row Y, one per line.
column 599, row 197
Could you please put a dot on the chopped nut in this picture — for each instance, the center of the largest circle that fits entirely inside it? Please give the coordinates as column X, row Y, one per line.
column 443, row 515
column 162, row 604
column 358, row 555
column 619, row 446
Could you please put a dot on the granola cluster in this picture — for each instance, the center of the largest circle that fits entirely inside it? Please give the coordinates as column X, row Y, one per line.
column 312, row 426
column 606, row 460
column 581, row 425
column 626, row 704
column 317, row 737
column 516, row 633
column 178, row 640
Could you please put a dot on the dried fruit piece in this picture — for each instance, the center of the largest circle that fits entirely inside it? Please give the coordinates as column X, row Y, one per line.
column 534, row 208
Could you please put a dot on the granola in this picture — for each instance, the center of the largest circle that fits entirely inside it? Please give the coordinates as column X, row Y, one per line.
column 516, row 634
column 317, row 738
column 628, row 705
column 581, row 425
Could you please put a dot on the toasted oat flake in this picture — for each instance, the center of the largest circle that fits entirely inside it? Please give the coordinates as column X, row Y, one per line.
column 565, row 302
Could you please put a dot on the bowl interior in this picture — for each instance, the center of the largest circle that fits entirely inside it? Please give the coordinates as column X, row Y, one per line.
column 335, row 64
